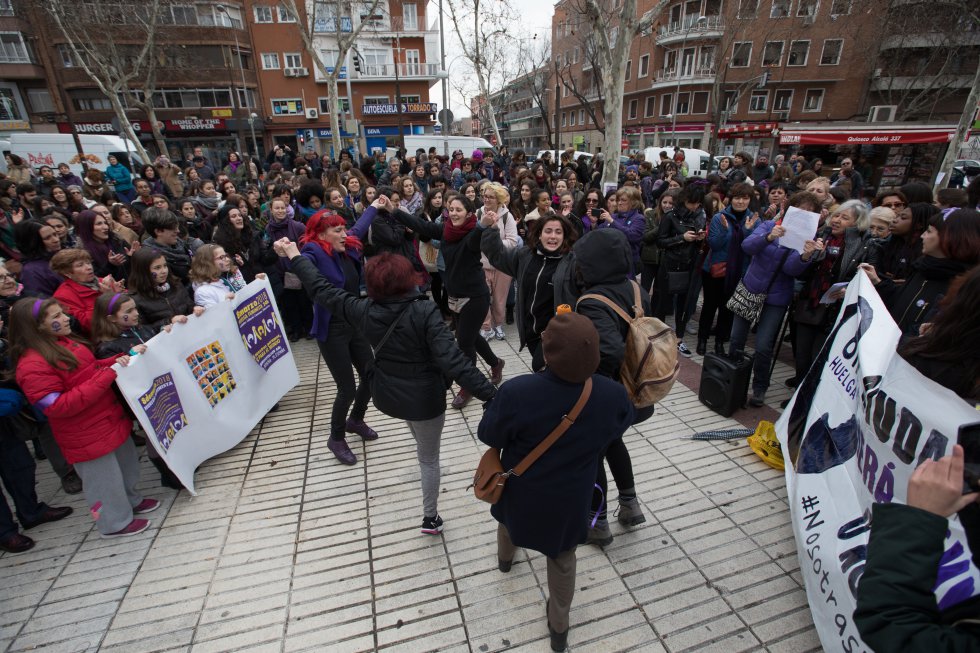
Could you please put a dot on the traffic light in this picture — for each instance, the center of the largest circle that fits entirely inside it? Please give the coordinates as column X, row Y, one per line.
column 357, row 62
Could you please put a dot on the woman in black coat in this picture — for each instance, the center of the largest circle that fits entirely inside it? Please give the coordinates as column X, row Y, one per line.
column 546, row 508
column 414, row 354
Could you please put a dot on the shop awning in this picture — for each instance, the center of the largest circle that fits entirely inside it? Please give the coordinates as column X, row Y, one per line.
column 758, row 130
column 886, row 134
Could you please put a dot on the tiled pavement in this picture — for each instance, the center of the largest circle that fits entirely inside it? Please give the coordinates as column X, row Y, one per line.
column 286, row 550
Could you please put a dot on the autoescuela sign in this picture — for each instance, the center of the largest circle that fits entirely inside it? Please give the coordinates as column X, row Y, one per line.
column 391, row 109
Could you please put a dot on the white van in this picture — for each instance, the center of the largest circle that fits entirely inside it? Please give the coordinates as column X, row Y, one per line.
column 466, row 144
column 697, row 160
column 556, row 156
column 51, row 149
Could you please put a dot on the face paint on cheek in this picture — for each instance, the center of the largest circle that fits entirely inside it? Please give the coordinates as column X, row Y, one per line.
column 55, row 326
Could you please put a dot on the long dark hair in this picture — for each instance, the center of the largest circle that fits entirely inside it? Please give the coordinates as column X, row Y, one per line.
column 537, row 226
column 25, row 334
column 84, row 224
column 954, row 336
column 226, row 235
column 140, row 280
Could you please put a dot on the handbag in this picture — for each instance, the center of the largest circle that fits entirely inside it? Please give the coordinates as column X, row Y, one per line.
column 803, row 313
column 678, row 281
column 747, row 304
column 490, row 477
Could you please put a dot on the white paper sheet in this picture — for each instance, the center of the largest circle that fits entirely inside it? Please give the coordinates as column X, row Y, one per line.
column 827, row 299
column 800, row 227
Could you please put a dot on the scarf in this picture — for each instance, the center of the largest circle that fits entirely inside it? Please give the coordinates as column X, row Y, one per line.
column 164, row 288
column 823, row 276
column 234, row 165
column 453, row 234
column 209, row 203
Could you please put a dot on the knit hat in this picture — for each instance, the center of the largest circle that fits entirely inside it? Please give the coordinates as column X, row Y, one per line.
column 477, row 155
column 570, row 344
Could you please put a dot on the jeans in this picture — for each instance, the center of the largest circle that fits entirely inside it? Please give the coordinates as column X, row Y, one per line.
column 468, row 324
column 715, row 299
column 343, row 349
column 770, row 321
column 17, row 473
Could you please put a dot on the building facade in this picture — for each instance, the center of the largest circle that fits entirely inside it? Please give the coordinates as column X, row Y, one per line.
column 25, row 102
column 522, row 111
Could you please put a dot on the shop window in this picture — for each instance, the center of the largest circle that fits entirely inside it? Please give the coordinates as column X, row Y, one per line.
column 742, row 54
column 700, row 102
column 411, row 99
column 10, row 105
column 813, row 100
column 831, row 52
column 772, row 54
column 325, row 105
column 375, row 100
column 758, row 101
column 288, row 107
column 780, row 8
column 799, row 52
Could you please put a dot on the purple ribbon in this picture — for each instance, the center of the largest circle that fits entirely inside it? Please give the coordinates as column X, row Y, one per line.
column 112, row 302
column 36, row 309
column 46, row 401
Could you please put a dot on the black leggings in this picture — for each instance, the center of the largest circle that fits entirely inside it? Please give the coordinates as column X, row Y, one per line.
column 468, row 323
column 622, row 470
column 439, row 295
column 343, row 349
column 715, row 299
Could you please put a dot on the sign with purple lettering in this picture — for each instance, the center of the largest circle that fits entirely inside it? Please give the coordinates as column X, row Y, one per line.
column 162, row 406
column 261, row 332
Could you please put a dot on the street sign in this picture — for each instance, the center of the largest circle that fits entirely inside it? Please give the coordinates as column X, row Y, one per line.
column 437, row 129
column 624, row 144
column 446, row 118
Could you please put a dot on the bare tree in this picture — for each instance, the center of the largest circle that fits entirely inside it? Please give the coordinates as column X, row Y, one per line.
column 482, row 27
column 337, row 19
column 534, row 61
column 585, row 84
column 121, row 61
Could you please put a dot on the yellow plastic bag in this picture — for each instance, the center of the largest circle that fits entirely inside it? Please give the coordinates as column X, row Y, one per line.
column 764, row 443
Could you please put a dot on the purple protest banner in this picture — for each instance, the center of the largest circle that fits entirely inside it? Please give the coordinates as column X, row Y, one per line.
column 260, row 329
column 164, row 409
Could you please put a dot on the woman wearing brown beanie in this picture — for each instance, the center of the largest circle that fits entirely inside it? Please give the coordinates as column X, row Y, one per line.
column 546, row 509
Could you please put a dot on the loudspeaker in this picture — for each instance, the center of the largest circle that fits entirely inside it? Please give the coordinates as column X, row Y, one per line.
column 725, row 383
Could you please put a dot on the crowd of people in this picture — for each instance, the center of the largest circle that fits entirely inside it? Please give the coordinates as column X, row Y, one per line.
column 406, row 270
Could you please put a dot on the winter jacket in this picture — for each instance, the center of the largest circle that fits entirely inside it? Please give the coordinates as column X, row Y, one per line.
column 649, row 250
column 71, row 179
column 506, row 231
column 178, row 256
column 159, row 311
column 771, row 264
column 19, row 174
column 170, row 176
column 464, row 272
column 78, row 301
column 532, row 288
column 38, row 278
column 911, row 301
column 546, row 509
column 86, row 418
column 388, row 235
column 632, row 224
column 214, row 292
column 417, row 359
column 332, row 269
column 128, row 339
column 677, row 254
column 119, row 175
column 719, row 236
column 287, row 228
column 896, row 605
column 602, row 258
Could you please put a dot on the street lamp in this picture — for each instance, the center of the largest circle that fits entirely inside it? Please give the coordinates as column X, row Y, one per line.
column 702, row 20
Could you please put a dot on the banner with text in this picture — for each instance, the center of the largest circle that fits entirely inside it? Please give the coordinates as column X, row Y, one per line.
column 201, row 388
column 859, row 424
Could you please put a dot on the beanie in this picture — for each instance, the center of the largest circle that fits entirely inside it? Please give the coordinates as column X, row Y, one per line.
column 477, row 155
column 570, row 344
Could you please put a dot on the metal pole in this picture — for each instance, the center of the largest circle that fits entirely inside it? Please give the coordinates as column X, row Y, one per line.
column 350, row 111
column 245, row 110
column 398, row 94
column 445, row 81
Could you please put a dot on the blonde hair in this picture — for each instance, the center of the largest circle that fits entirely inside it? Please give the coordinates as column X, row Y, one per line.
column 881, row 213
column 503, row 195
column 203, row 267
column 631, row 193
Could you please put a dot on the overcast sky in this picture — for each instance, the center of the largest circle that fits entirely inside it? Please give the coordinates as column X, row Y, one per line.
column 535, row 18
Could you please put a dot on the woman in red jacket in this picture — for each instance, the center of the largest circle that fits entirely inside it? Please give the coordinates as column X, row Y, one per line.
column 62, row 378
column 81, row 287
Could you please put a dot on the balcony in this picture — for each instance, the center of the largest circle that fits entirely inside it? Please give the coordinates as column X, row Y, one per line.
column 930, row 40
column 712, row 27
column 899, row 84
column 668, row 78
column 405, row 71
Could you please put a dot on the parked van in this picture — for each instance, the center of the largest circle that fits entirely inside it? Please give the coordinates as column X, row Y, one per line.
column 466, row 144
column 556, row 156
column 51, row 149
column 697, row 160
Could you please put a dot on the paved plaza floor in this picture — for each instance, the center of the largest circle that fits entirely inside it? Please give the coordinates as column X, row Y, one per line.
column 286, row 550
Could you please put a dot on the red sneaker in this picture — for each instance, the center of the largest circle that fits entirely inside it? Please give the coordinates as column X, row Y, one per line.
column 145, row 506
column 135, row 527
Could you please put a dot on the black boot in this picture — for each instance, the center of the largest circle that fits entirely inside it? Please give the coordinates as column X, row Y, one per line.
column 167, row 477
column 720, row 347
column 702, row 347
column 509, row 318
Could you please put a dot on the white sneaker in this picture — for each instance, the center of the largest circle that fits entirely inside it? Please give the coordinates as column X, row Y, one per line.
column 486, row 334
column 498, row 333
column 692, row 329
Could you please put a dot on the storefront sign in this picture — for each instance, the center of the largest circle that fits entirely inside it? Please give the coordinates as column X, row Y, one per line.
column 381, row 131
column 883, row 137
column 195, row 125
column 745, row 130
column 174, row 127
column 322, row 133
column 221, row 113
column 406, row 107
column 101, row 127
column 12, row 125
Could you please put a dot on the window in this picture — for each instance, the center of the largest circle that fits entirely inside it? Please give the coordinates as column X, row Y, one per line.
column 410, row 13
column 758, row 101
column 575, row 54
column 89, row 100
column 68, row 58
column 706, row 57
column 325, row 105
column 741, row 54
column 581, row 116
column 780, row 8
column 772, row 54
column 700, row 102
column 40, row 100
column 292, row 60
column 571, row 119
column 731, row 101
column 782, row 100
column 629, row 70
column 270, row 61
column 666, row 102
column 13, row 49
column 6, row 8
column 246, row 97
column 411, row 98
column 748, row 8
column 413, row 63
column 840, row 7
column 564, row 120
column 651, row 107
column 376, row 61
column 374, row 100
column 799, row 52
column 286, row 16
column 813, row 100
column 831, row 52
column 288, row 107
column 10, row 104
column 807, row 8
column 187, row 15
column 231, row 16
column 262, row 13
column 644, row 66
column 683, row 104
column 632, row 114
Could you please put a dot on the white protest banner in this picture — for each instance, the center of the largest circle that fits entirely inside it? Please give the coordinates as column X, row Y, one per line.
column 201, row 388
column 859, row 424
column 800, row 227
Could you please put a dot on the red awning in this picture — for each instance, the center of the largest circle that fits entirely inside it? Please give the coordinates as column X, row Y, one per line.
column 758, row 129
column 887, row 135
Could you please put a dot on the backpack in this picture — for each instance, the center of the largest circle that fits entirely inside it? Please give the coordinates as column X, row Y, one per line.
column 650, row 365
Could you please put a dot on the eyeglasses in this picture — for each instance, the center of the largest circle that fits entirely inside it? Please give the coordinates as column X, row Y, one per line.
column 4, row 277
column 894, row 205
column 591, row 200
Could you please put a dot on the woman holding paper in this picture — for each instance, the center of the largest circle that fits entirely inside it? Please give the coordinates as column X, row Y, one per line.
column 847, row 244
column 771, row 275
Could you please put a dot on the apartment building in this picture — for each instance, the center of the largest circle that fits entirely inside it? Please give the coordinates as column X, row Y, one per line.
column 394, row 63
column 25, row 101
column 522, row 110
